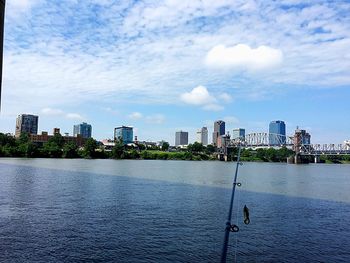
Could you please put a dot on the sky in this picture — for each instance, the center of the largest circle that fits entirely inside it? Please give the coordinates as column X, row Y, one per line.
column 163, row 66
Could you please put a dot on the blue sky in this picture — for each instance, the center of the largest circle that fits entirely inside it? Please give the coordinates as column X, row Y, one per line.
column 162, row 66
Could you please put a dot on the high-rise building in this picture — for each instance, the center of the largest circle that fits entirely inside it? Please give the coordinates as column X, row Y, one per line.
column 26, row 123
column 82, row 129
column 238, row 133
column 181, row 138
column 202, row 136
column 219, row 129
column 124, row 133
column 2, row 22
column 277, row 133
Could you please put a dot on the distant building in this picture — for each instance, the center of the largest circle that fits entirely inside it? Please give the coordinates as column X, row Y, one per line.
column 223, row 140
column 202, row 136
column 26, row 123
column 219, row 129
column 302, row 137
column 125, row 133
column 82, row 129
column 238, row 133
column 277, row 133
column 181, row 138
column 42, row 138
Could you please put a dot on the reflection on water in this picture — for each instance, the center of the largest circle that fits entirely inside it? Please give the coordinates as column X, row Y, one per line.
column 320, row 181
column 170, row 211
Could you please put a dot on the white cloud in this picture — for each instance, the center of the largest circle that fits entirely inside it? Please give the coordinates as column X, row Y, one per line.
column 135, row 116
column 225, row 97
column 155, row 119
column 198, row 96
column 213, row 107
column 51, row 112
column 74, row 116
column 15, row 8
column 59, row 112
column 244, row 57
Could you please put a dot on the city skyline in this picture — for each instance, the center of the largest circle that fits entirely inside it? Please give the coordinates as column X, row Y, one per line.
column 190, row 59
column 84, row 130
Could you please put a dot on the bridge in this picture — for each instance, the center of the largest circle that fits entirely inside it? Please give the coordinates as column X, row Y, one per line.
column 296, row 142
column 324, row 149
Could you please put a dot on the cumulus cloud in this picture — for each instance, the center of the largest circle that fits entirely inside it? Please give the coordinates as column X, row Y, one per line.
column 245, row 57
column 200, row 96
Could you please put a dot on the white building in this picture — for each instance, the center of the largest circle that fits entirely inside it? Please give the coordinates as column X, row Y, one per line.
column 202, row 136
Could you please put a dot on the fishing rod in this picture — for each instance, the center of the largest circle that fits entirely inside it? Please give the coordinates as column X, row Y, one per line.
column 232, row 227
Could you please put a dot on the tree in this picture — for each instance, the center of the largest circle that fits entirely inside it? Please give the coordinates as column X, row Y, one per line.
column 51, row 149
column 165, row 146
column 23, row 138
column 195, row 147
column 118, row 150
column 210, row 149
column 57, row 139
column 89, row 148
column 70, row 150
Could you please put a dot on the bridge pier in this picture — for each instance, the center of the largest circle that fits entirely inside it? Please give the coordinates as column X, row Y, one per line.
column 317, row 159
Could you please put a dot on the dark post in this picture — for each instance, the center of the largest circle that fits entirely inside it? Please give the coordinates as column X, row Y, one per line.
column 229, row 217
column 2, row 22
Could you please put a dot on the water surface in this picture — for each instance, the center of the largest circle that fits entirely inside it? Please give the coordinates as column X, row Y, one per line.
column 170, row 211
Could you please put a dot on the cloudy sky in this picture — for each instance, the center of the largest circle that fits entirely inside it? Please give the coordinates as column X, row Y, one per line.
column 162, row 66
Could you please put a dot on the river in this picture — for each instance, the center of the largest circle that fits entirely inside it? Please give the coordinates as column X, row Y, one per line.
column 57, row 210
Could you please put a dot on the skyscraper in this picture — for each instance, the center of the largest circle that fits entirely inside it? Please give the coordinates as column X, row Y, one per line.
column 277, row 133
column 181, row 138
column 82, row 129
column 2, row 20
column 202, row 136
column 219, row 129
column 238, row 133
column 125, row 133
column 26, row 123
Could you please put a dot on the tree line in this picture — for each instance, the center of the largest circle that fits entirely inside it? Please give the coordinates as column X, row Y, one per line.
column 56, row 147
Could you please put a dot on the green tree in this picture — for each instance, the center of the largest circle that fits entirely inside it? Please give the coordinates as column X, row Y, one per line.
column 118, row 150
column 210, row 149
column 70, row 150
column 57, row 139
column 195, row 147
column 89, row 148
column 165, row 146
column 51, row 149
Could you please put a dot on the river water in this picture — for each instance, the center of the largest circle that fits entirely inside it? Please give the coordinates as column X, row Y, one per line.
column 56, row 210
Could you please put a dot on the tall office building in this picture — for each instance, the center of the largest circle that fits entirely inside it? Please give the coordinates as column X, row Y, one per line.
column 219, row 129
column 82, row 129
column 277, row 133
column 125, row 133
column 2, row 22
column 26, row 123
column 181, row 138
column 238, row 133
column 202, row 136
